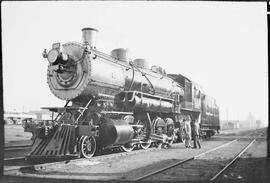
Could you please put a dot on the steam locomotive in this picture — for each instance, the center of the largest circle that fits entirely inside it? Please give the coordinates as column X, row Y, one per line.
column 114, row 102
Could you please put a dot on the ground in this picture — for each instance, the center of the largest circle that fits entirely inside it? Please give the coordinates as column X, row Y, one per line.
column 253, row 165
column 15, row 135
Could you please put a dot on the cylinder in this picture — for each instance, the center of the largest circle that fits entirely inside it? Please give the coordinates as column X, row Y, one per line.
column 89, row 36
column 114, row 132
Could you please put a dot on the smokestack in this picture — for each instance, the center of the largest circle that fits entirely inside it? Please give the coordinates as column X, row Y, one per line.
column 89, row 36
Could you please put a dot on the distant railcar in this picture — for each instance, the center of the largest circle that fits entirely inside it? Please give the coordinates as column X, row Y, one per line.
column 210, row 123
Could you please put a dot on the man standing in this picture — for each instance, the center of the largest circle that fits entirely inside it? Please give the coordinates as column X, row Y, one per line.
column 187, row 129
column 196, row 134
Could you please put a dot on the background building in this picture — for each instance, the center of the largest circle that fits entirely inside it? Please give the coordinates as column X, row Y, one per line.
column 230, row 124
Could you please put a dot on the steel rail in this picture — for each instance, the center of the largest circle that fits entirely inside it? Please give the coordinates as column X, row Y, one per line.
column 181, row 162
column 17, row 147
column 14, row 159
column 232, row 161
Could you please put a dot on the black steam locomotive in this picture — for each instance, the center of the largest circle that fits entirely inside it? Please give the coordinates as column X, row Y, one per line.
column 113, row 102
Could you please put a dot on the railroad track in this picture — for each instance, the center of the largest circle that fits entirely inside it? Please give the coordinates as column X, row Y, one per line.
column 232, row 161
column 16, row 152
column 213, row 178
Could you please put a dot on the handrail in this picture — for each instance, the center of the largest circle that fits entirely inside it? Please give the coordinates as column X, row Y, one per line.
column 81, row 112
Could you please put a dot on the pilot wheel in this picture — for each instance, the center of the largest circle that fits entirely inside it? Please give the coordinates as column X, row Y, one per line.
column 87, row 146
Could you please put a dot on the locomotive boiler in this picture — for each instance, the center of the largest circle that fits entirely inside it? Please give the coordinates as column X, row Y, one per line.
column 111, row 102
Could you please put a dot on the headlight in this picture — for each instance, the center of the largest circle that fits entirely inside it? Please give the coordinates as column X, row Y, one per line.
column 52, row 55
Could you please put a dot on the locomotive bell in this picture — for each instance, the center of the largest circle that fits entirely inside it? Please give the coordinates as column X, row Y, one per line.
column 89, row 36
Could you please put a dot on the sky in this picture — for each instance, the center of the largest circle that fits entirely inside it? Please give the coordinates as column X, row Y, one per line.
column 220, row 45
